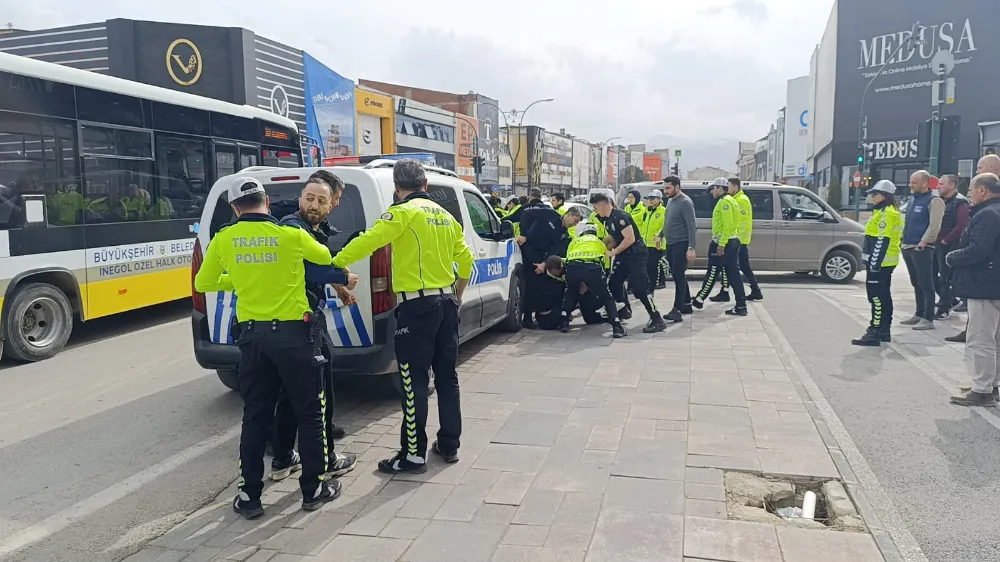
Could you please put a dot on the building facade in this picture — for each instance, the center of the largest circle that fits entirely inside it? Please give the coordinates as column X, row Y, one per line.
column 482, row 110
column 745, row 163
column 794, row 168
column 424, row 128
column 899, row 100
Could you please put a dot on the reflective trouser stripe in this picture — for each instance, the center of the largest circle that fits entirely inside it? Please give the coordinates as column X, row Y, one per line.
column 409, row 410
column 876, row 312
column 706, row 287
column 322, row 418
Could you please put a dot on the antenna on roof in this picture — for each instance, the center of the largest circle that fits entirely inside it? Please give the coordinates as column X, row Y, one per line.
column 10, row 26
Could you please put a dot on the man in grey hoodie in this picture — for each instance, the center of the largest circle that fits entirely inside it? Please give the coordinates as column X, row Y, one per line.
column 680, row 234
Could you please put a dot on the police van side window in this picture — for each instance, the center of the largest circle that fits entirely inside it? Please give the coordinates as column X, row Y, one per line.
column 479, row 215
column 447, row 198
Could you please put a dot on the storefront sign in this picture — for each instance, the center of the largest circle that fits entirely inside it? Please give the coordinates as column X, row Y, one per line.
column 371, row 103
column 884, row 151
column 330, row 115
column 184, row 62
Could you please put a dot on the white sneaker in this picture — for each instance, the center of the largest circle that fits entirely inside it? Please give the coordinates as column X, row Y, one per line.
column 924, row 325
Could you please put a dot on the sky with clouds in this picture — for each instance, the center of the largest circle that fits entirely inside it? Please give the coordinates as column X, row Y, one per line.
column 704, row 70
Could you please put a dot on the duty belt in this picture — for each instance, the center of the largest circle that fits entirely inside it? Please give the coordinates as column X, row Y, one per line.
column 410, row 295
column 273, row 325
column 595, row 261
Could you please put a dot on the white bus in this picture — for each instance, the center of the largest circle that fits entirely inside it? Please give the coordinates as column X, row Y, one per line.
column 102, row 184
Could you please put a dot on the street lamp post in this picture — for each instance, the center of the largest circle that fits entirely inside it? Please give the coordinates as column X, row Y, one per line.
column 910, row 41
column 520, row 123
column 604, row 146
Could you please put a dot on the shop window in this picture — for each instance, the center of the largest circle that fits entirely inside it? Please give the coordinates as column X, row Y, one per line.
column 182, row 177
column 38, row 157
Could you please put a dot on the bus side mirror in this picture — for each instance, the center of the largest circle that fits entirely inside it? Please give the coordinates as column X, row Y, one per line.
column 35, row 212
column 506, row 230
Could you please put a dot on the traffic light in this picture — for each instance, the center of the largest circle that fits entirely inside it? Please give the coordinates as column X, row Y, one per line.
column 676, row 170
column 861, row 159
column 477, row 164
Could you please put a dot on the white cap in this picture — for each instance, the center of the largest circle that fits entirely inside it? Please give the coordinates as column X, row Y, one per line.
column 655, row 194
column 244, row 186
column 883, row 186
column 719, row 182
column 588, row 229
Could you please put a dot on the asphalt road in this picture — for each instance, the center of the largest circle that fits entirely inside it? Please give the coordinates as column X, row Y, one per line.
column 938, row 465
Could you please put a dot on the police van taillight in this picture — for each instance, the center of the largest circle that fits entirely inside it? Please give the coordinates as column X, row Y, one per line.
column 383, row 299
column 197, row 299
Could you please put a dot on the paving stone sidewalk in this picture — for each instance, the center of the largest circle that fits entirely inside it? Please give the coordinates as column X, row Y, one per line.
column 576, row 448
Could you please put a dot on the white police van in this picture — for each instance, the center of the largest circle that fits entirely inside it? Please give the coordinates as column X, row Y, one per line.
column 363, row 333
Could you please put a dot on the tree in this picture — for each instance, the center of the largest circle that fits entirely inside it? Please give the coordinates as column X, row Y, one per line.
column 833, row 195
column 632, row 174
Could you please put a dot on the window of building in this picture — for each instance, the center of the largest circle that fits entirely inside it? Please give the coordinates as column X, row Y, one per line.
column 446, row 197
column 182, row 177
column 480, row 216
column 36, row 157
column 406, row 125
column 762, row 202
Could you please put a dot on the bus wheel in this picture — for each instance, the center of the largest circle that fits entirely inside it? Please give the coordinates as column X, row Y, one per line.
column 38, row 323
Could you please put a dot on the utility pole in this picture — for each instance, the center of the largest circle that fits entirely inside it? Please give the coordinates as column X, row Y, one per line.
column 942, row 64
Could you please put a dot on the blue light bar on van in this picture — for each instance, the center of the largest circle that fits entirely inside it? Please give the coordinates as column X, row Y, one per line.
column 424, row 157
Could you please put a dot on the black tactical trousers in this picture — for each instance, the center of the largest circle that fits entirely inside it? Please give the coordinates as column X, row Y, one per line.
column 275, row 355
column 591, row 275
column 427, row 338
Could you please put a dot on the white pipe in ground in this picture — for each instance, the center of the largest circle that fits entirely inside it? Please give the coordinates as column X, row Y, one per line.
column 809, row 505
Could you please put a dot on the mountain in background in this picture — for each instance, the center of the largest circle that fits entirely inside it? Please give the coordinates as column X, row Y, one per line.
column 718, row 153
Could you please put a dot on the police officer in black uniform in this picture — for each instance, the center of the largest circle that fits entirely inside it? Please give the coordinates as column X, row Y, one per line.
column 262, row 262
column 630, row 260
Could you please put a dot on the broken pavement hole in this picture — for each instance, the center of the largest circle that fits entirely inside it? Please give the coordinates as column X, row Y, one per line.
column 755, row 498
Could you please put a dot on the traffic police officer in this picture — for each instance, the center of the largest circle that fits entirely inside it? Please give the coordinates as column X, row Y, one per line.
column 427, row 244
column 724, row 251
column 654, row 213
column 630, row 261
column 262, row 262
column 883, row 233
column 319, row 197
column 745, row 210
column 584, row 266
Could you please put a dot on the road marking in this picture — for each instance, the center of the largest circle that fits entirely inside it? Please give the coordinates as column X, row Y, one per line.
column 987, row 414
column 59, row 521
column 886, row 511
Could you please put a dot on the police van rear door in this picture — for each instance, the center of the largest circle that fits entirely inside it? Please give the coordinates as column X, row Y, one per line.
column 350, row 325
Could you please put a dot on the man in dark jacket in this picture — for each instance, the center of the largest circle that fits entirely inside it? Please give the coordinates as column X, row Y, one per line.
column 541, row 230
column 956, row 216
column 319, row 197
column 976, row 276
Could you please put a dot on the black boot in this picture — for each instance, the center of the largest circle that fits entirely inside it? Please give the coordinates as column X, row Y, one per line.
column 617, row 330
column 656, row 324
column 674, row 316
column 870, row 339
column 528, row 323
column 625, row 313
column 885, row 336
column 738, row 311
column 755, row 295
column 564, row 327
column 723, row 296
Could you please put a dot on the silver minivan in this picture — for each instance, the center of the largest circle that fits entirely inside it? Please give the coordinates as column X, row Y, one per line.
column 793, row 229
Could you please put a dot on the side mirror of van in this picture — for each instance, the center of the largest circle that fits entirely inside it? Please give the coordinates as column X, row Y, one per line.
column 506, row 230
column 828, row 217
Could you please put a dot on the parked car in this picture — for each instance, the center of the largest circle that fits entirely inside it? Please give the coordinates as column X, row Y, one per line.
column 363, row 332
column 793, row 229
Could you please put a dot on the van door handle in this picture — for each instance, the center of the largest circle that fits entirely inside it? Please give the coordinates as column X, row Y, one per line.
column 482, row 251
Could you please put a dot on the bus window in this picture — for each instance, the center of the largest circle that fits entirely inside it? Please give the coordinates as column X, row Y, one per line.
column 281, row 158
column 225, row 160
column 117, row 190
column 181, row 177
column 248, row 156
column 38, row 156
